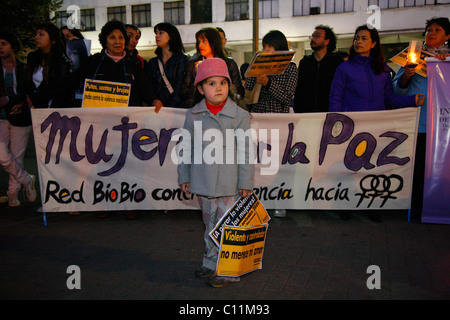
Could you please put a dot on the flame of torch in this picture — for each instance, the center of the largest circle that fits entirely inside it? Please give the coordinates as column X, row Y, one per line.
column 412, row 58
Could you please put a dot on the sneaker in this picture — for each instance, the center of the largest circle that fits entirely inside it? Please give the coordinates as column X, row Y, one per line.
column 204, row 272
column 31, row 190
column 12, row 200
column 218, row 281
column 3, row 199
column 279, row 213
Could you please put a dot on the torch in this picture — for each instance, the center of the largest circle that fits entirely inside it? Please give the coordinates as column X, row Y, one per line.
column 415, row 48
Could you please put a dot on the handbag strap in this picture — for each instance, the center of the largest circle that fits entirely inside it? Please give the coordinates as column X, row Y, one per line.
column 163, row 74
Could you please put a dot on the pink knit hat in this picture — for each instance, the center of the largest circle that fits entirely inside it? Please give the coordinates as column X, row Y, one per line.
column 212, row 67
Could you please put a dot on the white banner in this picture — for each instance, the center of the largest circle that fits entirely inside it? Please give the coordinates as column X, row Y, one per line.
column 124, row 158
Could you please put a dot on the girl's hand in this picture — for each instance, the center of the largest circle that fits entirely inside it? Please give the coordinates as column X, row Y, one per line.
column 245, row 193
column 158, row 105
column 420, row 99
column 29, row 102
column 16, row 109
column 185, row 188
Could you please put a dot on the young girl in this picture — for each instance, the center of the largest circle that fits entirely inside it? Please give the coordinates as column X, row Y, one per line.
column 47, row 69
column 209, row 45
column 277, row 91
column 15, row 121
column 216, row 185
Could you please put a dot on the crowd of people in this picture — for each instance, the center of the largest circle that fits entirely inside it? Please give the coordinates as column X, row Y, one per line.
column 212, row 86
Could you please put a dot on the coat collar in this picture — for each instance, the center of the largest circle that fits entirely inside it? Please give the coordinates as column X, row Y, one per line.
column 228, row 110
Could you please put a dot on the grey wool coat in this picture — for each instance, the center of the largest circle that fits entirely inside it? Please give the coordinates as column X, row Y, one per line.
column 216, row 168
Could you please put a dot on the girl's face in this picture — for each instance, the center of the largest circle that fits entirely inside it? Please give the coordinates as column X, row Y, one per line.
column 162, row 38
column 268, row 48
column 363, row 43
column 68, row 35
column 43, row 41
column 435, row 36
column 205, row 48
column 215, row 90
column 5, row 49
column 115, row 43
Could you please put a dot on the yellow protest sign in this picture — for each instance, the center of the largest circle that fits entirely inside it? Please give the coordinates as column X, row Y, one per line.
column 241, row 250
column 105, row 94
column 246, row 211
column 269, row 63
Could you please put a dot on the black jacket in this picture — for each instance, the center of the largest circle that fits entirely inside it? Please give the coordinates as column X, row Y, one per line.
column 50, row 89
column 175, row 70
column 101, row 67
column 314, row 83
column 23, row 118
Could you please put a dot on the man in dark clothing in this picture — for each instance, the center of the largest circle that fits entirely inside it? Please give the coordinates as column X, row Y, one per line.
column 315, row 72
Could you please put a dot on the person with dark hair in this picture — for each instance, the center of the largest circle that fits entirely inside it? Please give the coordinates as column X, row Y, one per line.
column 47, row 68
column 223, row 36
column 167, row 70
column 15, row 121
column 76, row 48
column 209, row 45
column 77, row 51
column 114, row 63
column 406, row 81
column 363, row 83
column 135, row 34
column 316, row 71
column 277, row 91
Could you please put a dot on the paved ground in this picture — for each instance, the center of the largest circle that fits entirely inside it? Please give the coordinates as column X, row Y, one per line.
column 308, row 255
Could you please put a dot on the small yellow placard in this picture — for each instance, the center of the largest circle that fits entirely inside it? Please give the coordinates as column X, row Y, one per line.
column 105, row 94
column 269, row 63
column 241, row 250
column 245, row 212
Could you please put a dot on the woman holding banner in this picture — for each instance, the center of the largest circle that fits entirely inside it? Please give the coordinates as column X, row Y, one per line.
column 363, row 83
column 406, row 82
column 115, row 64
column 167, row 70
column 209, row 45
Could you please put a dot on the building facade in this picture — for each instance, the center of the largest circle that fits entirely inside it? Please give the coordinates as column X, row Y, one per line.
column 398, row 21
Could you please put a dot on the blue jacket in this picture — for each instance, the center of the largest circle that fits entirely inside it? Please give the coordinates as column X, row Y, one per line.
column 356, row 87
